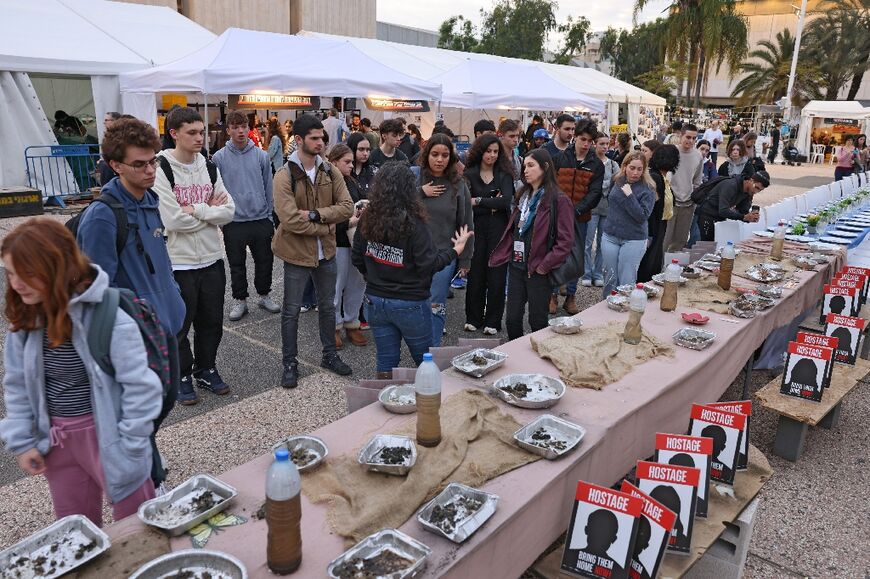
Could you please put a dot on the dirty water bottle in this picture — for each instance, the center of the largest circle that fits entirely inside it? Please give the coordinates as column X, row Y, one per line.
column 726, row 266
column 283, row 515
column 427, row 383
column 673, row 273
column 636, row 306
column 778, row 242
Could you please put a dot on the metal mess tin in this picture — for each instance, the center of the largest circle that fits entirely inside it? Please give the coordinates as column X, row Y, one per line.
column 759, row 302
column 659, row 279
column 618, row 303
column 171, row 512
column 458, row 496
column 192, row 563
column 544, row 391
column 693, row 338
column 65, row 545
column 558, row 429
column 766, row 272
column 690, row 272
column 373, row 546
column 566, row 325
column 490, row 360
column 399, row 398
column 769, row 291
column 741, row 308
column 369, row 455
column 301, row 448
column 651, row 290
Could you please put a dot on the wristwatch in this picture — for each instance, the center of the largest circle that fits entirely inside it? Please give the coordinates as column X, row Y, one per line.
column 313, row 216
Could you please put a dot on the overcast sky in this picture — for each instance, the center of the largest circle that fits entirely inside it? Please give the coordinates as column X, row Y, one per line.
column 429, row 14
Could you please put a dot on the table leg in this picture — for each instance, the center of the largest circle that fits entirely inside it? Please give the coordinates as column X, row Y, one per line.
column 747, row 377
column 832, row 418
column 790, row 436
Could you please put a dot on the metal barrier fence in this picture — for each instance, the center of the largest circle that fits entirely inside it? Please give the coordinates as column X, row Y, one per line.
column 61, row 170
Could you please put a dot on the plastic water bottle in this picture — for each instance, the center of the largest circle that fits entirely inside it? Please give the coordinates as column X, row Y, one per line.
column 636, row 306
column 673, row 273
column 283, row 515
column 778, row 241
column 726, row 266
column 427, row 383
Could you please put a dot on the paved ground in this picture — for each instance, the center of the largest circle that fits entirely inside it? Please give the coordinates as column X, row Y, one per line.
column 813, row 516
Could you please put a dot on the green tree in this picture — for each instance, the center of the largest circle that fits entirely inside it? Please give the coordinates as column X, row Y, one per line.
column 575, row 33
column 517, row 28
column 636, row 52
column 767, row 72
column 457, row 33
column 834, row 41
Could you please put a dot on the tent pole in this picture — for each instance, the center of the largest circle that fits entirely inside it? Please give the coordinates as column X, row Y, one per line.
column 207, row 148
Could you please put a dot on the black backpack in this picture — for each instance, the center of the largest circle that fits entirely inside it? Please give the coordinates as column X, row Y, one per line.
column 167, row 170
column 699, row 195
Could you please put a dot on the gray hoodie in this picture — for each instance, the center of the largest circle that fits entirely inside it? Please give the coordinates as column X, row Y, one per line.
column 247, row 175
column 124, row 407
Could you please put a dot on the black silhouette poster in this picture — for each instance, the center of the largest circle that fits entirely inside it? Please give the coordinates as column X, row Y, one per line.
column 601, row 535
column 858, row 278
column 842, row 301
column 726, row 430
column 743, row 407
column 806, row 371
column 691, row 451
column 676, row 487
column 848, row 332
column 653, row 531
column 810, row 339
column 852, row 270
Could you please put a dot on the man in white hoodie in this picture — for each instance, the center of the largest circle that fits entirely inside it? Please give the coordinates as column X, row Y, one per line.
column 193, row 205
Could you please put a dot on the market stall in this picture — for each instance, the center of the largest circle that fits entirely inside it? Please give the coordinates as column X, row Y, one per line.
column 828, row 122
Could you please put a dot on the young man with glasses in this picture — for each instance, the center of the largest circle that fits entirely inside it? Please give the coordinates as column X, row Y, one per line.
column 730, row 198
column 129, row 146
column 194, row 203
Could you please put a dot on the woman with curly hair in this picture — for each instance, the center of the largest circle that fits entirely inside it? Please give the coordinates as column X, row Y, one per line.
column 664, row 160
column 395, row 252
column 490, row 178
column 448, row 204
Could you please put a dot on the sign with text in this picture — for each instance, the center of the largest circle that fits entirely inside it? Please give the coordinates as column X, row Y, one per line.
column 676, row 487
column 846, row 332
column 806, row 371
column 726, row 429
column 273, row 101
column 397, row 105
column 691, row 451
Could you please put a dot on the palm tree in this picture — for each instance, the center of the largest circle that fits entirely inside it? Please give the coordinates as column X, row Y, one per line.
column 767, row 72
column 838, row 41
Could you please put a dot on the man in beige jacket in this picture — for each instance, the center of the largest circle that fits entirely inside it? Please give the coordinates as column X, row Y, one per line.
column 310, row 199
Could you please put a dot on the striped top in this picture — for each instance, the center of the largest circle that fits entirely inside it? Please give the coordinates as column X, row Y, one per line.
column 67, row 385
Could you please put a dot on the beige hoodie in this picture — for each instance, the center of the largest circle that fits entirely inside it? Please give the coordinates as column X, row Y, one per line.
column 192, row 239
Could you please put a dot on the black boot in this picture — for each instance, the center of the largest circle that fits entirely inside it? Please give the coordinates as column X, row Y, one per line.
column 335, row 364
column 290, row 378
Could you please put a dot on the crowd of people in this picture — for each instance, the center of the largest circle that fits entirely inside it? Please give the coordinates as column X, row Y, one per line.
column 377, row 228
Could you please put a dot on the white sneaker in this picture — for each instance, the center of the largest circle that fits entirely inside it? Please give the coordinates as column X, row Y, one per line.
column 470, row 328
column 239, row 309
column 599, row 283
column 490, row 331
column 586, row 282
column 304, row 309
column 268, row 304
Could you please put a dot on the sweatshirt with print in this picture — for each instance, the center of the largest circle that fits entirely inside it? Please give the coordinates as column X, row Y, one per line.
column 192, row 239
column 247, row 175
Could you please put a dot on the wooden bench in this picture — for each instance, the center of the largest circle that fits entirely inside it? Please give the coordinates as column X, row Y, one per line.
column 797, row 415
column 724, row 509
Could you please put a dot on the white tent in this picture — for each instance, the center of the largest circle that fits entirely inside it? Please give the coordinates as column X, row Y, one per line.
column 246, row 61
column 69, row 42
column 829, row 109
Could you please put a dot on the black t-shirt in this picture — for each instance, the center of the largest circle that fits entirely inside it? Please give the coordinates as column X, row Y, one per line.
column 378, row 158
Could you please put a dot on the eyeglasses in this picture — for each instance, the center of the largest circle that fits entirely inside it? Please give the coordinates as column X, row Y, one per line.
column 140, row 165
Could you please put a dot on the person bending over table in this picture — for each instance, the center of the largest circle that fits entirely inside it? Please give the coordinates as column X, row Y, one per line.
column 730, row 198
column 394, row 251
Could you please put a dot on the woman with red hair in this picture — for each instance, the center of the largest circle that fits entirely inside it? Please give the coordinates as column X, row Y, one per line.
column 86, row 431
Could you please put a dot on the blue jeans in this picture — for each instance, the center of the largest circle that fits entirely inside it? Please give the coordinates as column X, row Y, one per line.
column 621, row 260
column 392, row 320
column 592, row 262
column 580, row 237
column 695, row 231
column 438, row 297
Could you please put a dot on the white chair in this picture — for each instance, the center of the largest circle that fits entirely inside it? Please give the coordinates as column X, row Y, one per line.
column 834, row 152
column 802, row 202
column 818, row 154
column 836, row 190
column 847, row 187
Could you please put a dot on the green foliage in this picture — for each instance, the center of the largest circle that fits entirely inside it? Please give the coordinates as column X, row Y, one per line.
column 839, row 42
column 575, row 34
column 637, row 53
column 457, row 33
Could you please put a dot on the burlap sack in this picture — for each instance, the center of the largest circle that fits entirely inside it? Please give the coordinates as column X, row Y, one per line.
column 477, row 445
column 598, row 356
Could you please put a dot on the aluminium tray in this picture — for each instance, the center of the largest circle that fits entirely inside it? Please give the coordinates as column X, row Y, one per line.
column 380, row 441
column 307, row 442
column 468, row 524
column 154, row 513
column 572, row 434
column 463, row 362
column 196, row 562
column 545, row 390
column 375, row 544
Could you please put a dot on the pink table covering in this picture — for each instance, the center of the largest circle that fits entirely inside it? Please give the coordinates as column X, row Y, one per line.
column 534, row 509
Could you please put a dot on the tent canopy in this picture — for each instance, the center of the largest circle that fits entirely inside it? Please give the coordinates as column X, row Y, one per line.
column 828, row 109
column 476, row 84
column 280, row 63
column 95, row 37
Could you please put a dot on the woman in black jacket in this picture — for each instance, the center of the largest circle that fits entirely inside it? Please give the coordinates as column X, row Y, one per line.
column 394, row 251
column 664, row 160
column 490, row 180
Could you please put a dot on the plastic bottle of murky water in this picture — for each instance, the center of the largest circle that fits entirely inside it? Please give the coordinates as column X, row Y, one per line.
column 283, row 515
column 726, row 266
column 778, row 241
column 673, row 273
column 427, row 383
column 636, row 306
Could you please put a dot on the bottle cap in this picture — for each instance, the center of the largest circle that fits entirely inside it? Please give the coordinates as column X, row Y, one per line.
column 640, row 286
column 427, row 357
column 282, row 454
column 675, row 261
column 614, row 292
column 730, row 243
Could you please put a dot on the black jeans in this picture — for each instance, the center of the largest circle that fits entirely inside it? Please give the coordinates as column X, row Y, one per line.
column 203, row 293
column 707, row 225
column 258, row 236
column 295, row 278
column 485, row 291
column 158, row 473
column 523, row 289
